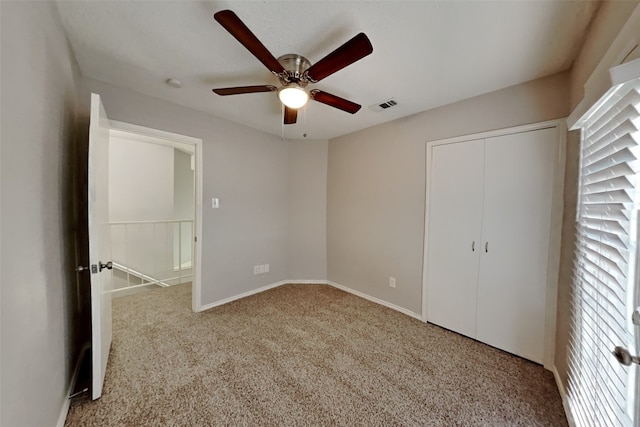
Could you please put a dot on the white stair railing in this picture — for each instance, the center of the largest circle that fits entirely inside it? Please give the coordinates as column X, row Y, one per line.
column 146, row 253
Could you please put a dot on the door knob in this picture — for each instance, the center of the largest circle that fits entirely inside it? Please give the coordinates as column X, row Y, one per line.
column 635, row 317
column 108, row 265
column 623, row 356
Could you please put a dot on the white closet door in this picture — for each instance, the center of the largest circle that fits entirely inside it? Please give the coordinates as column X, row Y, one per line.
column 455, row 215
column 519, row 174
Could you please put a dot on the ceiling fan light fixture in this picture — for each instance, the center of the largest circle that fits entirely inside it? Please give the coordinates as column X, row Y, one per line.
column 293, row 96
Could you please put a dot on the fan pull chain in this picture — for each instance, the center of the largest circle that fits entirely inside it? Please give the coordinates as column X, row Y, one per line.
column 282, row 123
column 304, row 118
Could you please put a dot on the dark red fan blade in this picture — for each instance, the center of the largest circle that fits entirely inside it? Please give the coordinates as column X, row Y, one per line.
column 335, row 101
column 350, row 52
column 237, row 29
column 290, row 115
column 244, row 89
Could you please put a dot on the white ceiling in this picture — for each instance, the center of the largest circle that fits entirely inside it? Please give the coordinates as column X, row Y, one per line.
column 425, row 53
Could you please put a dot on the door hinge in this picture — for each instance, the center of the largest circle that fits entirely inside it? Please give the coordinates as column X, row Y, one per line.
column 195, row 239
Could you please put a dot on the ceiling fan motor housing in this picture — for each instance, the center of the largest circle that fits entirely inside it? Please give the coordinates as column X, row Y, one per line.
column 295, row 65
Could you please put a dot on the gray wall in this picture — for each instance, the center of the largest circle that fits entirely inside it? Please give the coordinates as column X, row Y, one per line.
column 38, row 281
column 603, row 29
column 246, row 169
column 308, row 210
column 376, row 185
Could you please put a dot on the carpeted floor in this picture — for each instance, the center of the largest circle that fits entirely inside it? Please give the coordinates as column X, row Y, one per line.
column 305, row 355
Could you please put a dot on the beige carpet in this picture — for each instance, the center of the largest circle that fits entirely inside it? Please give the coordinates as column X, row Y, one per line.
column 305, row 355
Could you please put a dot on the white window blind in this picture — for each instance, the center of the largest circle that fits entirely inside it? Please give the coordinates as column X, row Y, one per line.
column 601, row 391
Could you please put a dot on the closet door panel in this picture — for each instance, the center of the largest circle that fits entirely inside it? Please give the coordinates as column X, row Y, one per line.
column 519, row 175
column 455, row 215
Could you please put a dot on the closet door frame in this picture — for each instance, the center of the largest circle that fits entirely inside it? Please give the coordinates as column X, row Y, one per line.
column 555, row 232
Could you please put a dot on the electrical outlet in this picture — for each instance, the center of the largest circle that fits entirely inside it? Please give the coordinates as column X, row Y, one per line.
column 392, row 282
column 262, row 268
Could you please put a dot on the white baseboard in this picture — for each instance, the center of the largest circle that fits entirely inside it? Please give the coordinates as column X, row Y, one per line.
column 243, row 295
column 309, row 282
column 376, row 300
column 67, row 401
column 563, row 395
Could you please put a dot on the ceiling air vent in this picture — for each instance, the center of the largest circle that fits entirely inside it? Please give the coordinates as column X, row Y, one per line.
column 385, row 105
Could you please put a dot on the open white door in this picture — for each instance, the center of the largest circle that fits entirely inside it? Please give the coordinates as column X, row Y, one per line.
column 99, row 244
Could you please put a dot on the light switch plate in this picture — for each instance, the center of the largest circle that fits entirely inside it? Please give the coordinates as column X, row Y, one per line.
column 215, row 203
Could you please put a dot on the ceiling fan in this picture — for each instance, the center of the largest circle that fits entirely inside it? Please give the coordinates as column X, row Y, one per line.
column 294, row 71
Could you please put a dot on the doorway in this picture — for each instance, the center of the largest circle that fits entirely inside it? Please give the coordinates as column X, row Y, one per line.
column 154, row 209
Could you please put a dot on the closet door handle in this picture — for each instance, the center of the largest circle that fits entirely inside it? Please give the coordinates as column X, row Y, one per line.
column 473, row 246
column 486, row 247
